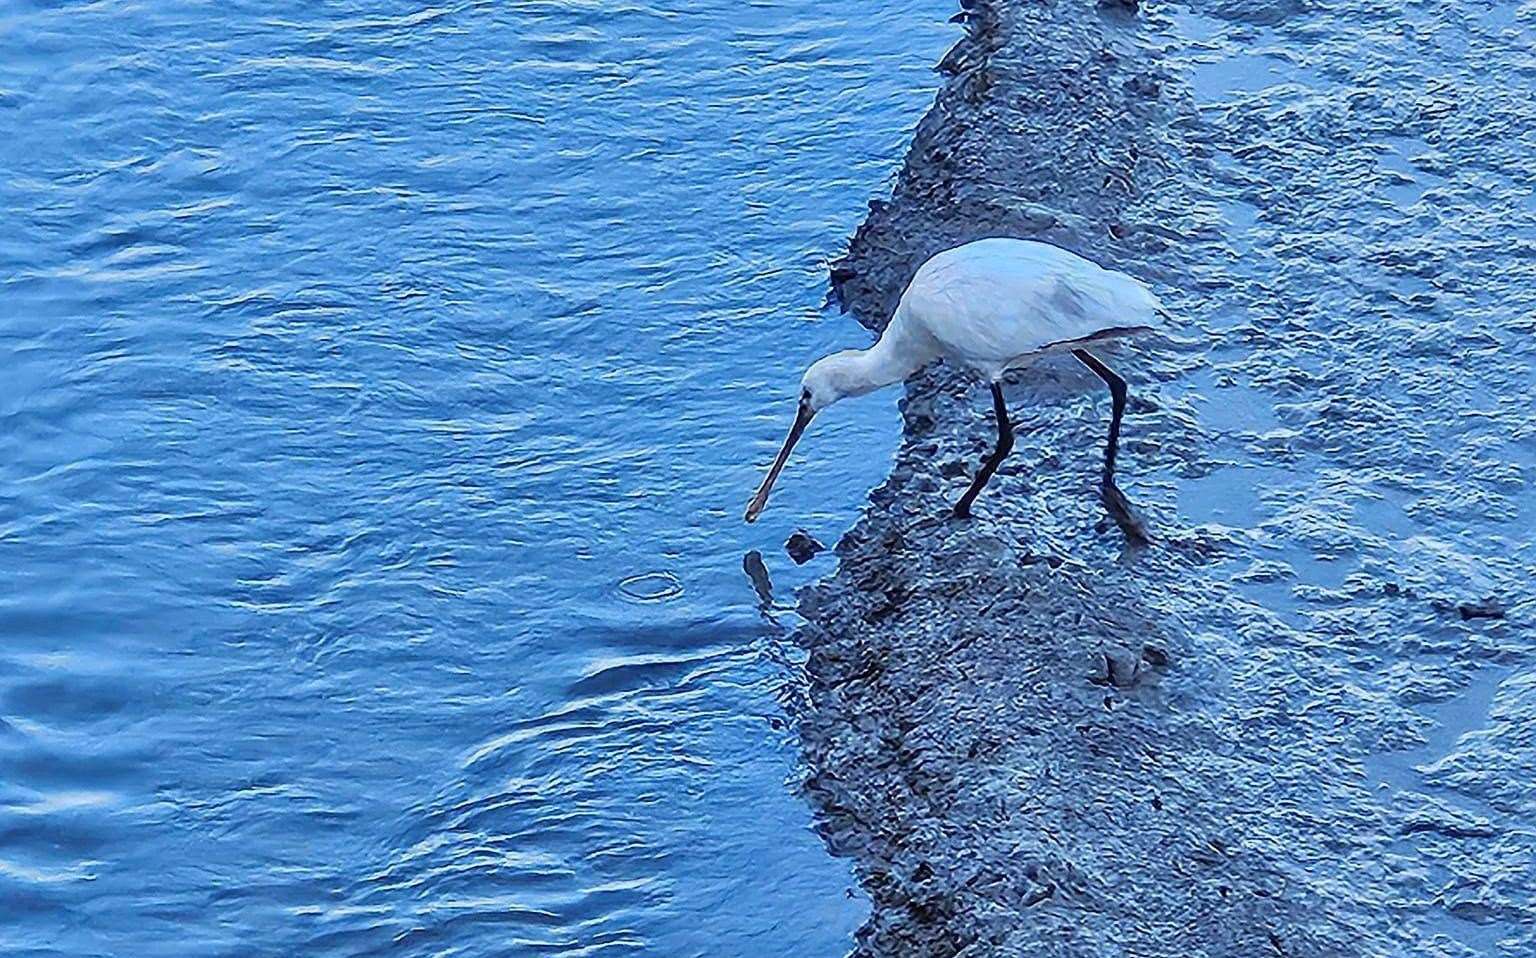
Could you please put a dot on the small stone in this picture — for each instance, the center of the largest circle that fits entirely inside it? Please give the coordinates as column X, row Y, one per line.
column 757, row 573
column 1488, row 608
column 802, row 547
column 1036, row 216
column 1143, row 84
column 1116, row 666
column 1154, row 655
column 1099, row 674
column 1123, row 667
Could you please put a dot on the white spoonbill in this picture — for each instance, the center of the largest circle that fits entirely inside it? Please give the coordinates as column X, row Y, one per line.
column 991, row 305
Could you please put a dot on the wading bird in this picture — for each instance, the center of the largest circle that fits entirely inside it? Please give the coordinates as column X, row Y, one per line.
column 990, row 306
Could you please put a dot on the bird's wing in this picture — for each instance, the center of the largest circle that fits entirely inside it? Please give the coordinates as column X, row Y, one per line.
column 1092, row 300
column 989, row 318
column 990, row 310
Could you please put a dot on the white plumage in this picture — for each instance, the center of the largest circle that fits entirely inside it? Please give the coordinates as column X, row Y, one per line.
column 998, row 303
column 990, row 305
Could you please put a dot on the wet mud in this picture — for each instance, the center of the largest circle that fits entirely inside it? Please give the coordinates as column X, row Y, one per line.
column 1300, row 722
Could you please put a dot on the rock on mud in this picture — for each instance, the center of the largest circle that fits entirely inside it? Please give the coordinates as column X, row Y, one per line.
column 1487, row 608
column 802, row 547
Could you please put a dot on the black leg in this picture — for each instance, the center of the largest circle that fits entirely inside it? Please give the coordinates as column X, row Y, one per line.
column 1117, row 393
column 1114, row 500
column 1004, row 447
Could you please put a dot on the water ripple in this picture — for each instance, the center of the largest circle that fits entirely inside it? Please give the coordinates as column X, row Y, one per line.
column 354, row 355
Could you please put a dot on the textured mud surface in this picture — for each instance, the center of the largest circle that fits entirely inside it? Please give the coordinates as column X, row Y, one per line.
column 1287, row 728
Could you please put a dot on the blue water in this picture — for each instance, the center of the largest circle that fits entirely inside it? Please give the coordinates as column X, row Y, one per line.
column 382, row 388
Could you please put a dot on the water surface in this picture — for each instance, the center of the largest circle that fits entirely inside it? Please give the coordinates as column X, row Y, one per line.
column 383, row 387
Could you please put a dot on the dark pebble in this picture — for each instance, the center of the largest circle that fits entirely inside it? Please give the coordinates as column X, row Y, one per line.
column 802, row 548
column 757, row 573
column 1486, row 609
column 1116, row 666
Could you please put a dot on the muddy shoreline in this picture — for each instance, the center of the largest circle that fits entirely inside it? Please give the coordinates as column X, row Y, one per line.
column 1033, row 742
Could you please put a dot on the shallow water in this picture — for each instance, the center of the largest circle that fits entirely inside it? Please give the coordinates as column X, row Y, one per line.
column 383, row 387
column 1372, row 178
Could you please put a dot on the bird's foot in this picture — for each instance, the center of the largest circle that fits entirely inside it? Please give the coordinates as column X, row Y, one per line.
column 962, row 510
column 1119, row 509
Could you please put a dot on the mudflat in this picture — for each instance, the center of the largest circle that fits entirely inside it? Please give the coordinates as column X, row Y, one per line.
column 1272, row 732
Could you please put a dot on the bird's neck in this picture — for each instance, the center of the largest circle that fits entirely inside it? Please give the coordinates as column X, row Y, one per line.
column 891, row 360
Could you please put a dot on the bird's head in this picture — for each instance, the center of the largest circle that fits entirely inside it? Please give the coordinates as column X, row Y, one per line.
column 828, row 379
column 835, row 377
